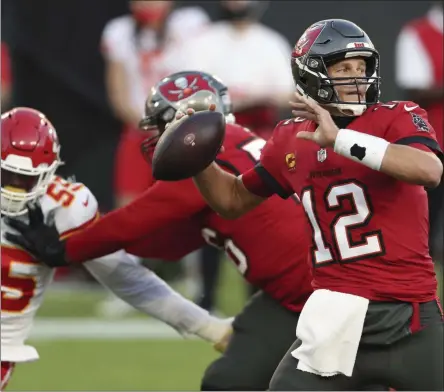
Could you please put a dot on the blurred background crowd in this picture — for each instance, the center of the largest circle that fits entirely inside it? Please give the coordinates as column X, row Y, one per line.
column 89, row 65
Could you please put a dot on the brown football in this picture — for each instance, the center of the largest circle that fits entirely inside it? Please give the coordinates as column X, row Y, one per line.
column 188, row 146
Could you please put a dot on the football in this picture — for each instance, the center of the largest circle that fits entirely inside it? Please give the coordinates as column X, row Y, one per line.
column 188, row 146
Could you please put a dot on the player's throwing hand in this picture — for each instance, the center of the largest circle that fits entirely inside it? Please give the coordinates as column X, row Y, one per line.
column 325, row 134
column 189, row 112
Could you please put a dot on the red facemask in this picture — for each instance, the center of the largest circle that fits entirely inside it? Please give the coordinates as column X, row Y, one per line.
column 150, row 16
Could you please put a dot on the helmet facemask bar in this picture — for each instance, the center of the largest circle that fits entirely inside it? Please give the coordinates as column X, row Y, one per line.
column 154, row 125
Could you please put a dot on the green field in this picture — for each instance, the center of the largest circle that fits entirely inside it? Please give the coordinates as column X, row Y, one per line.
column 119, row 364
column 115, row 365
column 122, row 362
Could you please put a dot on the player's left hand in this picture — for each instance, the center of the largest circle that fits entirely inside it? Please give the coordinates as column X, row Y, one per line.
column 325, row 134
column 38, row 238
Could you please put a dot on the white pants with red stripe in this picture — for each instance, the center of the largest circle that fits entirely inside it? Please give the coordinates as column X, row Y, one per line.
column 7, row 368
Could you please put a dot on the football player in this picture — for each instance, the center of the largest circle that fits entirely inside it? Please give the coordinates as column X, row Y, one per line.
column 360, row 168
column 29, row 160
column 269, row 246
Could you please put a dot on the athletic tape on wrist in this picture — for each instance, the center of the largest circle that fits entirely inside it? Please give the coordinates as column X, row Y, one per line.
column 360, row 147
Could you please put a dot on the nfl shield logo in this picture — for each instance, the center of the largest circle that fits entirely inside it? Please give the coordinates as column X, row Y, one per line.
column 322, row 155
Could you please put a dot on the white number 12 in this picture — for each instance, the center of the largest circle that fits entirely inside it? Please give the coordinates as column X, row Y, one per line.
column 371, row 244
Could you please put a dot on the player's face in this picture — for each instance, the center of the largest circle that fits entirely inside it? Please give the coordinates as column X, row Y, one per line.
column 18, row 183
column 349, row 68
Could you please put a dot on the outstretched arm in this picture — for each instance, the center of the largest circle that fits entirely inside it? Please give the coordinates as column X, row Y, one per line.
column 161, row 206
column 224, row 192
column 146, row 292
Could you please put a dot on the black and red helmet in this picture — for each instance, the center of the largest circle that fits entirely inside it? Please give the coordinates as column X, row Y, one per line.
column 325, row 43
column 181, row 90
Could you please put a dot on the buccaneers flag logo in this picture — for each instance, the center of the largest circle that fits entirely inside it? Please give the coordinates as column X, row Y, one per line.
column 308, row 38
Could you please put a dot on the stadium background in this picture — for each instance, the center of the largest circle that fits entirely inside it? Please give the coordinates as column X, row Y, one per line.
column 57, row 68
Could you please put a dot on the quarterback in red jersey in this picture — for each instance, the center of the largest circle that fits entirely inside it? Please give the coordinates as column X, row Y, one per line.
column 269, row 245
column 359, row 168
column 356, row 202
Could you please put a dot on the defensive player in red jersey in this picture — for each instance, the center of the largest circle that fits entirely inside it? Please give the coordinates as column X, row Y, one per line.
column 359, row 167
column 269, row 245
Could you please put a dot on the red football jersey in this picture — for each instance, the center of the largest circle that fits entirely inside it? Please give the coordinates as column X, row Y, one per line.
column 370, row 231
column 269, row 244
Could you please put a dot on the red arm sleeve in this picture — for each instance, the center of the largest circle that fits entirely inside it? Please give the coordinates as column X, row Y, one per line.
column 162, row 205
column 170, row 243
column 411, row 127
column 266, row 178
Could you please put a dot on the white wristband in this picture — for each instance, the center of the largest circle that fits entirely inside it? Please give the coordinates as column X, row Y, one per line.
column 360, row 147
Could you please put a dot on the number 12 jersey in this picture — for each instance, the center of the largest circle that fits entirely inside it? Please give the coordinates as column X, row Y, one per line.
column 370, row 231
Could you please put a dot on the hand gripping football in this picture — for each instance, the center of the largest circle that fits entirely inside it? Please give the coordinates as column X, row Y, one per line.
column 188, row 146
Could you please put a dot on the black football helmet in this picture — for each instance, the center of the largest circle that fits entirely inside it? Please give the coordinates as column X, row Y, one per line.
column 325, row 43
column 181, row 90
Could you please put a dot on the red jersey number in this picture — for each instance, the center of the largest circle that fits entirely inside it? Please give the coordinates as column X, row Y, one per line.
column 18, row 282
column 63, row 191
column 371, row 243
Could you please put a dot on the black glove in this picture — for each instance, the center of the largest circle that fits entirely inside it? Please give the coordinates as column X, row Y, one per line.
column 42, row 240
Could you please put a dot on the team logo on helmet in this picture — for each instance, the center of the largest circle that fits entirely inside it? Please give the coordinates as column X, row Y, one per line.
column 185, row 89
column 185, row 86
column 307, row 39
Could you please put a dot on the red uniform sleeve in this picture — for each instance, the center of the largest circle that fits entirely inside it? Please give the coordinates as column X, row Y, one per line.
column 169, row 243
column 411, row 127
column 162, row 205
column 266, row 178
